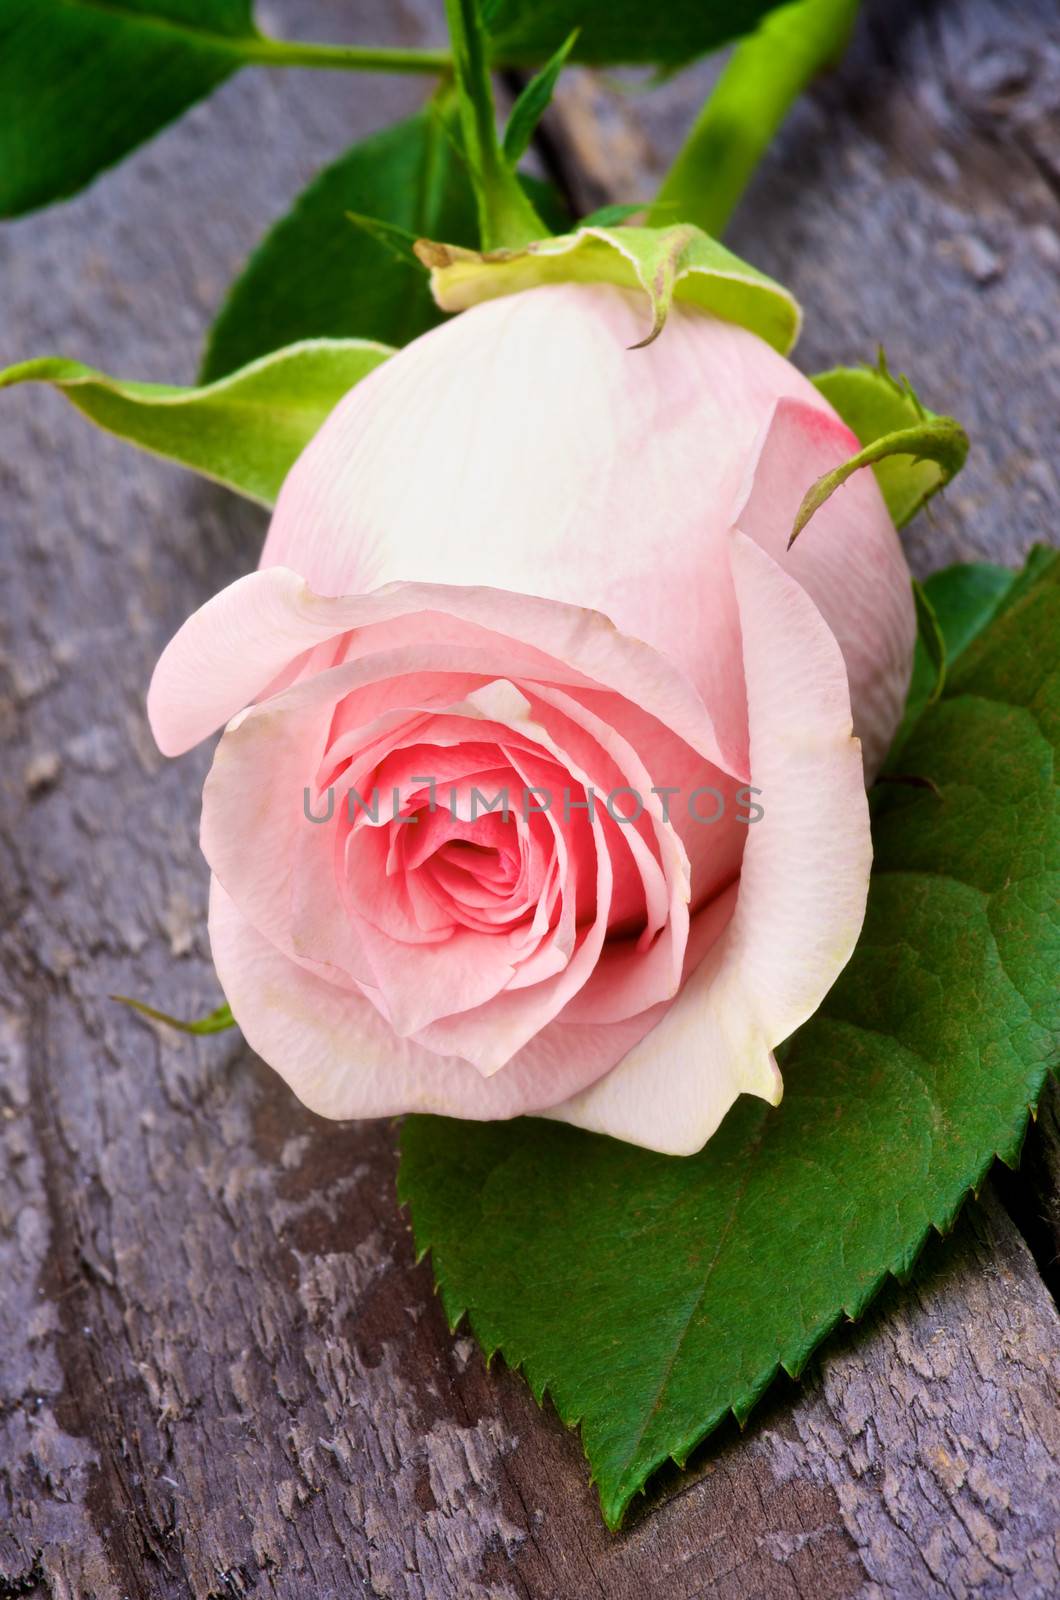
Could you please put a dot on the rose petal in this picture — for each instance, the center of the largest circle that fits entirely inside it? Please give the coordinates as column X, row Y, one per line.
column 848, row 559
column 551, row 459
column 238, row 643
column 801, row 895
column 342, row 1058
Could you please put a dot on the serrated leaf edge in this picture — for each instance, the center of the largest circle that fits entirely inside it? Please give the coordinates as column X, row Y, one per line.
column 900, row 1271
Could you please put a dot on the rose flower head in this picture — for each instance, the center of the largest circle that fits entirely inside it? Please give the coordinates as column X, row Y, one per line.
column 542, row 781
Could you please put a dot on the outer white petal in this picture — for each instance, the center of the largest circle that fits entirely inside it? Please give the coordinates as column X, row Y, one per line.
column 801, row 897
column 848, row 560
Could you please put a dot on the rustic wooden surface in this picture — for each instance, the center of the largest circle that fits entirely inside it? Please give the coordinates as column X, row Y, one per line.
column 221, row 1374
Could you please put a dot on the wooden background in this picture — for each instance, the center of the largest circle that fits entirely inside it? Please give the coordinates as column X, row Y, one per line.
column 221, row 1374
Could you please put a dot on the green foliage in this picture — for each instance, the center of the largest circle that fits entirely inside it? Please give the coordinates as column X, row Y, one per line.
column 82, row 83
column 618, row 31
column 533, row 102
column 666, row 263
column 610, row 216
column 243, row 431
column 963, row 599
column 875, row 405
column 650, row 1295
column 931, row 641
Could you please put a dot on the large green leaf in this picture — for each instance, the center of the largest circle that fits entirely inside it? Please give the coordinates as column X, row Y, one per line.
column 617, row 31
column 243, row 431
column 315, row 274
column 650, row 1295
column 83, row 81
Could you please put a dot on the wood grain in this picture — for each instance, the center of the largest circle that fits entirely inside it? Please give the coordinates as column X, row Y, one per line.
column 221, row 1373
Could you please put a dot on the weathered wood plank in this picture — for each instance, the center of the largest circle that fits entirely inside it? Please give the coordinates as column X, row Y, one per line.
column 220, row 1371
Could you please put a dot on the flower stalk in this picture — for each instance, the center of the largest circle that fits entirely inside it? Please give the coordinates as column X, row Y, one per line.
column 763, row 76
column 507, row 220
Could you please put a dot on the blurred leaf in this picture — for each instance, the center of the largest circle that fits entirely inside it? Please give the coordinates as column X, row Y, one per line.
column 82, row 83
column 618, row 31
column 244, row 431
column 765, row 73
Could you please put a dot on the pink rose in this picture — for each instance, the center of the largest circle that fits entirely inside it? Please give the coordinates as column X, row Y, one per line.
column 521, row 557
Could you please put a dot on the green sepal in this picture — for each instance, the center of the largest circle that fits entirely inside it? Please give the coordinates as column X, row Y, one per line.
column 876, row 405
column 399, row 242
column 244, row 431
column 681, row 263
column 214, row 1021
column 940, row 440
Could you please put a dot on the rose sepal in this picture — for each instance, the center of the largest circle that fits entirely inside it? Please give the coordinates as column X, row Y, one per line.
column 674, row 263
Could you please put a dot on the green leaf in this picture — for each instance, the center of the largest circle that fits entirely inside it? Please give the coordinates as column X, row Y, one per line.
column 667, row 263
column 214, row 1022
column 533, row 103
column 963, row 600
column 874, row 404
column 931, row 640
column 618, row 31
column 400, row 243
column 82, row 82
column 939, row 440
column 652, row 1296
column 243, row 431
column 315, row 276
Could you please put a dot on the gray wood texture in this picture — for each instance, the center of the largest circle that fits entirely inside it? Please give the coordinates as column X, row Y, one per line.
column 221, row 1372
